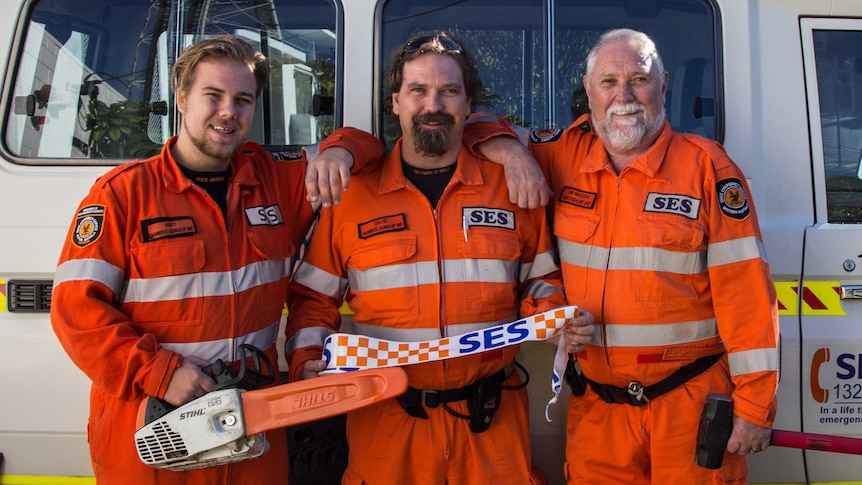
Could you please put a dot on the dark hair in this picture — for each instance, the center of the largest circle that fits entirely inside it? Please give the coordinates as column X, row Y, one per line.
column 437, row 43
column 219, row 47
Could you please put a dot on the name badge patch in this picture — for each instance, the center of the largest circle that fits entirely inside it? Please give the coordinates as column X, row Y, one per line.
column 397, row 222
column 732, row 199
column 167, row 227
column 681, row 205
column 578, row 197
column 490, row 217
column 88, row 228
column 264, row 216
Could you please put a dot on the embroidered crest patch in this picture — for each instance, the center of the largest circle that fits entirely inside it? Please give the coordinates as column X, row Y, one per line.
column 88, row 229
column 545, row 136
column 732, row 198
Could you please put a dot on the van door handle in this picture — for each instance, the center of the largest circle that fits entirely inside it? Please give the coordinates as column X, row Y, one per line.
column 850, row 292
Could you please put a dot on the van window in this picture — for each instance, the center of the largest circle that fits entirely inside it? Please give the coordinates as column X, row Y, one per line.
column 531, row 54
column 92, row 77
column 838, row 60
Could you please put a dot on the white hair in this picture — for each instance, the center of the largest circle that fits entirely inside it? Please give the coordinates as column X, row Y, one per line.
column 646, row 46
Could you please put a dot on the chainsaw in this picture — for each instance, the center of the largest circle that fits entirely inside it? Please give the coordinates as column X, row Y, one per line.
column 227, row 424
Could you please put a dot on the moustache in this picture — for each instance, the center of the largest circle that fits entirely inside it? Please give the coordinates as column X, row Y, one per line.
column 438, row 118
column 627, row 108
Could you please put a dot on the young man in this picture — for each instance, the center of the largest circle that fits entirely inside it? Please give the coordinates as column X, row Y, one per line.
column 430, row 247
column 655, row 231
column 174, row 262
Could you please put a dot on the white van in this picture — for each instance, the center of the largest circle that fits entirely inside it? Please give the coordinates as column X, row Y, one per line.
column 779, row 82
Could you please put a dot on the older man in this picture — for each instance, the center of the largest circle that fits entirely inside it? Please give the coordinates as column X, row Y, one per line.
column 658, row 239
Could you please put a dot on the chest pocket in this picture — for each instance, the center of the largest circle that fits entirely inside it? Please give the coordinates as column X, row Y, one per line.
column 384, row 276
column 574, row 233
column 671, row 263
column 489, row 269
column 166, row 272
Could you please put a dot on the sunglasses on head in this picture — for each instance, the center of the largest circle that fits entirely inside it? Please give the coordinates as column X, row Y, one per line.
column 418, row 43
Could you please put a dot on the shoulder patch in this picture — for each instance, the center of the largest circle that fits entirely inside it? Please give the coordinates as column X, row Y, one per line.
column 89, row 225
column 732, row 198
column 545, row 136
column 288, row 156
column 393, row 223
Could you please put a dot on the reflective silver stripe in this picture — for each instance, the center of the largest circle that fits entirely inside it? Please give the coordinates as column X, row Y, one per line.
column 394, row 276
column 307, row 337
column 656, row 259
column 224, row 348
column 541, row 289
column 320, row 281
column 93, row 270
column 396, row 334
column 736, row 250
column 750, row 361
column 479, row 270
column 217, row 283
column 629, row 259
column 543, row 264
column 657, row 334
column 421, row 334
column 583, row 255
column 462, row 328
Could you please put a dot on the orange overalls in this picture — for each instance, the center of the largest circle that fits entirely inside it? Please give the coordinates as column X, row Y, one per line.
column 669, row 259
column 412, row 273
column 151, row 272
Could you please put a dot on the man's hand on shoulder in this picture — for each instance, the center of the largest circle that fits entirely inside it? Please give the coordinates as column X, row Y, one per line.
column 527, row 185
column 328, row 174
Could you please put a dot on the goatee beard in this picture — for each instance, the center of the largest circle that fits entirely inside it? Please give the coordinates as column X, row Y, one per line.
column 432, row 142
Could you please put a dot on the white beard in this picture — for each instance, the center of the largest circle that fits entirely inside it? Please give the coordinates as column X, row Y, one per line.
column 636, row 132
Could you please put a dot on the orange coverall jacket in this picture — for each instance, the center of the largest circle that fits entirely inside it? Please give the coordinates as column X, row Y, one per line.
column 669, row 259
column 411, row 272
column 151, row 272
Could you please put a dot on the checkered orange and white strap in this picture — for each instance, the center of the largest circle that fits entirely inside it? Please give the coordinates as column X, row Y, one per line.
column 346, row 352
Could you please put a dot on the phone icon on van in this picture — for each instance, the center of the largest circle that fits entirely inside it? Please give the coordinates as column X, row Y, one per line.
column 819, row 394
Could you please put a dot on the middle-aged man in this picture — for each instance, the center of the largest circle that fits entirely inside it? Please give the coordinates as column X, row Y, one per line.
column 176, row 261
column 659, row 240
column 427, row 246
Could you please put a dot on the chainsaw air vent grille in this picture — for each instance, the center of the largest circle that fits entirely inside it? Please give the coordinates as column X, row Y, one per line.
column 162, row 445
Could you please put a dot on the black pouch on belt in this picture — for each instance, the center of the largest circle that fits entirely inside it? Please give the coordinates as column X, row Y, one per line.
column 485, row 400
column 574, row 377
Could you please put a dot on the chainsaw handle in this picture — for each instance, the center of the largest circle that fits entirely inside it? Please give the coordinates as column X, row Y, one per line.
column 245, row 377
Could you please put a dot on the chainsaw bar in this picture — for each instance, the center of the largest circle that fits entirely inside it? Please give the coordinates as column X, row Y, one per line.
column 228, row 425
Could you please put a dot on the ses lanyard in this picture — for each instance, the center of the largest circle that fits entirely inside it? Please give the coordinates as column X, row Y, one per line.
column 347, row 352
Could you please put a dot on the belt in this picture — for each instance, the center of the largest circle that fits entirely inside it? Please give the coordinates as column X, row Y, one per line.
column 637, row 394
column 414, row 399
column 432, row 399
